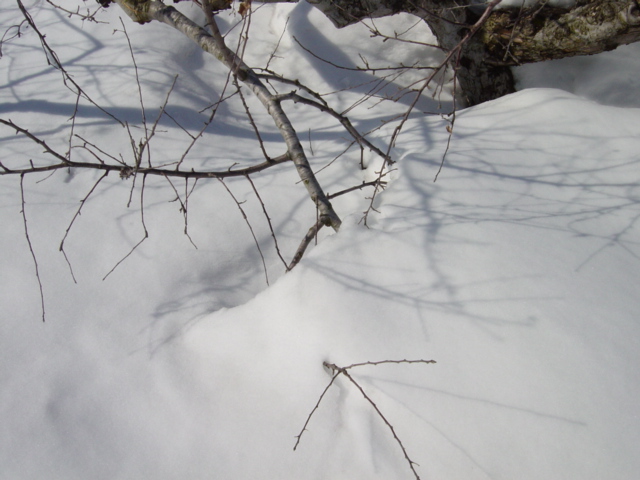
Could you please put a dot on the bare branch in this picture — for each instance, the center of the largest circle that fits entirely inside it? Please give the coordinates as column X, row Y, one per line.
column 304, row 427
column 124, row 170
column 77, row 214
column 373, row 183
column 266, row 215
column 144, row 227
column 246, row 219
column 311, row 234
column 33, row 254
column 336, row 371
column 214, row 44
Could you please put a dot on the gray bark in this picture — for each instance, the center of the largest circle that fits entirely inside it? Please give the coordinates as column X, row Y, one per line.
column 510, row 36
column 143, row 11
column 536, row 35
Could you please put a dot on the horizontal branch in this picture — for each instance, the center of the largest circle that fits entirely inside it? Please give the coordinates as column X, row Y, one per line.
column 542, row 33
column 125, row 171
column 513, row 35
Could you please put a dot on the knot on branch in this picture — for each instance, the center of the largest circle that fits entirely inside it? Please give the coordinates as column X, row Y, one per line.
column 126, row 173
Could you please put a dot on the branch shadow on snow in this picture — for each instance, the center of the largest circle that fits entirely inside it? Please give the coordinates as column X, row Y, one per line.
column 531, row 207
column 364, row 83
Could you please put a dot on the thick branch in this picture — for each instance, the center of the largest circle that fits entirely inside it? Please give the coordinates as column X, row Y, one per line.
column 510, row 36
column 214, row 44
column 538, row 34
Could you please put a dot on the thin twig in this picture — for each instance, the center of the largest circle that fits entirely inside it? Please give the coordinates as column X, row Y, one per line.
column 183, row 209
column 73, row 125
column 384, row 419
column 33, row 254
column 90, row 16
column 140, row 99
column 266, row 215
column 275, row 49
column 144, row 226
column 77, row 214
column 304, row 427
column 336, row 370
column 383, row 362
column 246, row 219
column 253, row 123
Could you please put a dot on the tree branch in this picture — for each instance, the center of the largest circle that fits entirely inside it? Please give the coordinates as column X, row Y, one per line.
column 546, row 33
column 124, row 170
column 143, row 11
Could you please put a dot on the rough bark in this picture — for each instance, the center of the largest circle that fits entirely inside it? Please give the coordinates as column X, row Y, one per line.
column 478, row 80
column 510, row 36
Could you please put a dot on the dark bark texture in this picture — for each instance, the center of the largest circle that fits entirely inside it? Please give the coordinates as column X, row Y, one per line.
column 510, row 36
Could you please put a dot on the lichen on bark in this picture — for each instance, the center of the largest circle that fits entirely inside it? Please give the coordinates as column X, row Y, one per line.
column 537, row 34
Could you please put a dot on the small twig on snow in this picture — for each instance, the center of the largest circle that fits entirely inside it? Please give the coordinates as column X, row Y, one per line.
column 343, row 370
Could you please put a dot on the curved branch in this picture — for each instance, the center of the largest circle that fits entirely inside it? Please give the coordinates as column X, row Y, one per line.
column 143, row 11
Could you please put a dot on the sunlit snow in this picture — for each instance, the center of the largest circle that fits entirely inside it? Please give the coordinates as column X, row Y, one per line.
column 517, row 271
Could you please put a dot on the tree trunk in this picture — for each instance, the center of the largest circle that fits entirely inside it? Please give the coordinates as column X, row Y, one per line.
column 478, row 80
column 536, row 34
column 510, row 36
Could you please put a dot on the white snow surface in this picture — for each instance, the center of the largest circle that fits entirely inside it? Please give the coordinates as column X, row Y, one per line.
column 517, row 271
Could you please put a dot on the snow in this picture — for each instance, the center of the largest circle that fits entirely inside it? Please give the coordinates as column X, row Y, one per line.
column 517, row 271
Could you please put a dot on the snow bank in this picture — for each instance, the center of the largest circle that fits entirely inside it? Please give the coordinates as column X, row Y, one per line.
column 516, row 271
